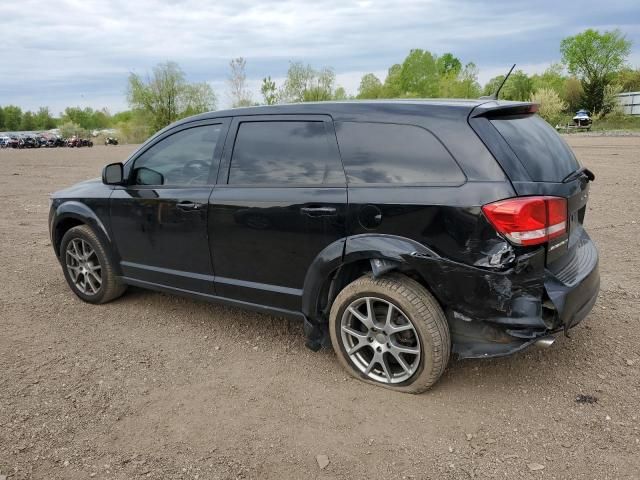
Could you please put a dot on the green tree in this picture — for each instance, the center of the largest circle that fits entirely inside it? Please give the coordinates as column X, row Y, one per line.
column 628, row 79
column 269, row 91
column 124, row 116
column 518, row 87
column 305, row 84
column 197, row 98
column 594, row 58
column 166, row 96
column 133, row 126
column 573, row 94
column 492, row 85
column 100, row 119
column 419, row 74
column 392, row 87
column 28, row 123
column 340, row 94
column 553, row 77
column 1, row 119
column 78, row 116
column 12, row 118
column 44, row 120
column 370, row 87
column 465, row 85
column 322, row 86
column 448, row 65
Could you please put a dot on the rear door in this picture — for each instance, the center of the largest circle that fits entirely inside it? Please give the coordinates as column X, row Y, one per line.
column 280, row 199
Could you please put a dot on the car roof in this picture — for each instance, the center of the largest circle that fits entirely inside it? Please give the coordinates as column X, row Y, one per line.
column 360, row 109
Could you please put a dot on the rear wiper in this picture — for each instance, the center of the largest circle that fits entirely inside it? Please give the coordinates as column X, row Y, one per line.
column 578, row 173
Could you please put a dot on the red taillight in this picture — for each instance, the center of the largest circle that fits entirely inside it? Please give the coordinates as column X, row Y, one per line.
column 528, row 220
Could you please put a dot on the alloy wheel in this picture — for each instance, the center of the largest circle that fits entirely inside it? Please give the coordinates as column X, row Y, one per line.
column 380, row 340
column 83, row 266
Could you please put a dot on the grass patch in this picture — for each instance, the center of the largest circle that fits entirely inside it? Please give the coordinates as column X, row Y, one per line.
column 617, row 122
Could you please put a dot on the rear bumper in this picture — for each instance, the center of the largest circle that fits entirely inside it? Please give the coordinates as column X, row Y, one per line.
column 574, row 288
column 536, row 306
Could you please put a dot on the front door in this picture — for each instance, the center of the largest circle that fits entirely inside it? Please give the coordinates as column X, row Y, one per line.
column 159, row 220
column 281, row 198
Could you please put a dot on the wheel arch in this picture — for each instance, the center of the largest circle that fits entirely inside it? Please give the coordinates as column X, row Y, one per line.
column 72, row 214
column 347, row 259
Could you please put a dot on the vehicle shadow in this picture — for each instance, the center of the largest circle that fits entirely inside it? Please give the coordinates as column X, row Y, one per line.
column 534, row 368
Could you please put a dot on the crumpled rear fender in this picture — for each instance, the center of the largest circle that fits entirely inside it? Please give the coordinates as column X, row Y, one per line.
column 509, row 297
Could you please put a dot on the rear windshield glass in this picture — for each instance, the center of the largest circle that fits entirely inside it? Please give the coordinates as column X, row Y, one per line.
column 542, row 152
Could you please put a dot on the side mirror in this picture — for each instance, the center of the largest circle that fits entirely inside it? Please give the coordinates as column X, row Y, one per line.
column 113, row 174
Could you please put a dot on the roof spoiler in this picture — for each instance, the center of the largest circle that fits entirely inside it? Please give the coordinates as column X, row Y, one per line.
column 502, row 109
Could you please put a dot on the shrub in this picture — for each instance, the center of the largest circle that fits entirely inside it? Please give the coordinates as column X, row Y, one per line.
column 610, row 103
column 69, row 129
column 551, row 105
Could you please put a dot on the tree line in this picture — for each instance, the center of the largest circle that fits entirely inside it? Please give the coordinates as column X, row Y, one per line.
column 592, row 71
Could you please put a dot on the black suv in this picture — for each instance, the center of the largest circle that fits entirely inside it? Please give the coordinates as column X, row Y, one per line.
column 398, row 231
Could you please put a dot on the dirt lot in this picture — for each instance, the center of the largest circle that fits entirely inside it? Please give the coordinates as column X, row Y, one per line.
column 163, row 387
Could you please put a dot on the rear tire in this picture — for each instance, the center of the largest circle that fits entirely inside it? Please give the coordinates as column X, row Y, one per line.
column 407, row 345
column 87, row 267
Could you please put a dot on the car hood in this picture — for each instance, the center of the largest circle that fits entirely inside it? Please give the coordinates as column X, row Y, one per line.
column 87, row 188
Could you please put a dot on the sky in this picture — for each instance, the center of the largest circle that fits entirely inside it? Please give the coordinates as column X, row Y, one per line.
column 60, row 53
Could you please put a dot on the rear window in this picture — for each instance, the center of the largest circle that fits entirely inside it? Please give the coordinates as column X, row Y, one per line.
column 284, row 152
column 542, row 152
column 386, row 153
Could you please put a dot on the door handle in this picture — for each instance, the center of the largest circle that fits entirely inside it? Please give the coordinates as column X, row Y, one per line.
column 188, row 206
column 319, row 211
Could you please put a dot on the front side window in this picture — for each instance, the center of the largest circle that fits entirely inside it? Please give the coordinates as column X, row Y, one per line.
column 182, row 159
column 284, row 152
column 386, row 153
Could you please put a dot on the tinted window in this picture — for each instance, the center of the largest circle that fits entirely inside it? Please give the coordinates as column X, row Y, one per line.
column 181, row 159
column 284, row 152
column 394, row 154
column 542, row 152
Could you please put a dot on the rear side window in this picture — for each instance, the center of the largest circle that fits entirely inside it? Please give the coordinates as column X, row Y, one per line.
column 284, row 152
column 542, row 152
column 385, row 153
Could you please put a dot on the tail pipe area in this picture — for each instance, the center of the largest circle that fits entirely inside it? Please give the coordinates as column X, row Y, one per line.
column 545, row 342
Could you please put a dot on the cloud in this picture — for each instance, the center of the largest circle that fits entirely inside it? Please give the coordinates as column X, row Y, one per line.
column 67, row 52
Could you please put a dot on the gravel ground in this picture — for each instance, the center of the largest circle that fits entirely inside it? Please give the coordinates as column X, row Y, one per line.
column 158, row 386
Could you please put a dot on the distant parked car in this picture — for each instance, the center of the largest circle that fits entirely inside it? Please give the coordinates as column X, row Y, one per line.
column 4, row 142
column 29, row 141
column 111, row 141
column 14, row 141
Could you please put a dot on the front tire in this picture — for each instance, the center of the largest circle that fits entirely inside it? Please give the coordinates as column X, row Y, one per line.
column 390, row 332
column 87, row 267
